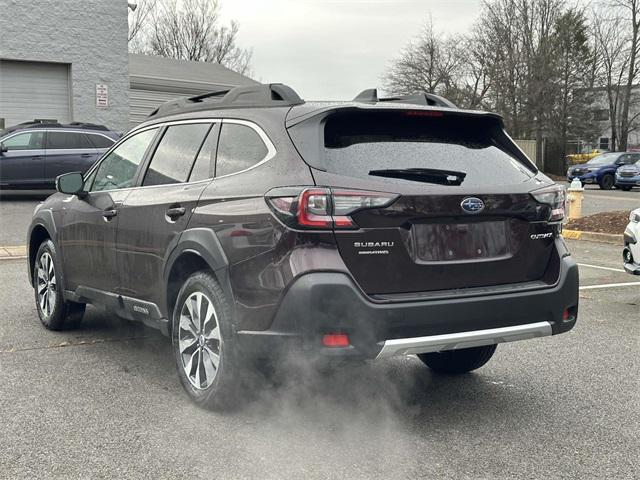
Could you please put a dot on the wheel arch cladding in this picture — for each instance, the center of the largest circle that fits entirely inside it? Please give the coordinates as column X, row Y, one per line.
column 198, row 249
column 38, row 234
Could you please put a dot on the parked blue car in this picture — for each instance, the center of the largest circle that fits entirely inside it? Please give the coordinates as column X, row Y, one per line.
column 33, row 154
column 601, row 170
column 628, row 176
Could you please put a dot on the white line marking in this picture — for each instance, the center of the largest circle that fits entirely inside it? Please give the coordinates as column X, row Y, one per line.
column 602, row 268
column 609, row 285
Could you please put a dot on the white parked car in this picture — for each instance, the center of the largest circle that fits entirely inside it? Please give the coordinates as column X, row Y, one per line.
column 631, row 252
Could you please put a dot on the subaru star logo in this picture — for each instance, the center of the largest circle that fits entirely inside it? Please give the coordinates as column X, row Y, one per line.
column 472, row 205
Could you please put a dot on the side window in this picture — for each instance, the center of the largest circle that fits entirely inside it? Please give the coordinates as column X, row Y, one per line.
column 67, row 141
column 176, row 152
column 118, row 168
column 239, row 148
column 25, row 141
column 203, row 168
column 100, row 141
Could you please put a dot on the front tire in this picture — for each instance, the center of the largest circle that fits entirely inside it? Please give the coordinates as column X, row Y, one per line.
column 54, row 311
column 607, row 182
column 204, row 349
column 454, row 362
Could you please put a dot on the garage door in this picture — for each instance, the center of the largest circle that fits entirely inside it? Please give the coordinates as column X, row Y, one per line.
column 30, row 90
column 143, row 102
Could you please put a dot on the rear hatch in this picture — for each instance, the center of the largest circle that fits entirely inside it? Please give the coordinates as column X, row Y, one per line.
column 464, row 216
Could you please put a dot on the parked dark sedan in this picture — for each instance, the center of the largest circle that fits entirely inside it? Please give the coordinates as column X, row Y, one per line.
column 32, row 155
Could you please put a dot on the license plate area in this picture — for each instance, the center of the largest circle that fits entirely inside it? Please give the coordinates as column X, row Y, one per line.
column 453, row 242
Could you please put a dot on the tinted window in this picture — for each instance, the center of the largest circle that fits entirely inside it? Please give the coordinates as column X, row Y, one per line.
column 118, row 168
column 25, row 141
column 203, row 168
column 100, row 141
column 239, row 148
column 67, row 140
column 173, row 159
column 357, row 143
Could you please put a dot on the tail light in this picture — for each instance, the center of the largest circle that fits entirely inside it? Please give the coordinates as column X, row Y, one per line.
column 324, row 208
column 554, row 197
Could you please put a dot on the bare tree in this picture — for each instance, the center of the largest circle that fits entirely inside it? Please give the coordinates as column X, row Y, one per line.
column 426, row 64
column 189, row 30
column 139, row 17
column 631, row 11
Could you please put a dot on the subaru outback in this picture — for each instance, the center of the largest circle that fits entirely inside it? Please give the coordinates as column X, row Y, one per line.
column 248, row 222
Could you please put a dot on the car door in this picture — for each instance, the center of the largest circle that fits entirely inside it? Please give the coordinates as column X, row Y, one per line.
column 88, row 224
column 22, row 164
column 67, row 151
column 154, row 215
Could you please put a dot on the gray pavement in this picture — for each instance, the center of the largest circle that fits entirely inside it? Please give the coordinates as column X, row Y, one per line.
column 16, row 209
column 104, row 401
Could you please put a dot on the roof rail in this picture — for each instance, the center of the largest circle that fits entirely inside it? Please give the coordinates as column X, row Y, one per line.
column 422, row 98
column 261, row 95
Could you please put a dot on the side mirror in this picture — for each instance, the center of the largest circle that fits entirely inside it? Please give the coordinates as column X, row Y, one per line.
column 71, row 184
column 3, row 149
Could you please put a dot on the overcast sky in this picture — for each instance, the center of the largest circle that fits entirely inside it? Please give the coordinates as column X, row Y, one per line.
column 333, row 49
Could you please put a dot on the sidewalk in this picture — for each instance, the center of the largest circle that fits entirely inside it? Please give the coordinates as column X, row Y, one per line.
column 13, row 253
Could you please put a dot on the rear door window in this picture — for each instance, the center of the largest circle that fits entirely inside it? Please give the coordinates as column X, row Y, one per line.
column 176, row 153
column 358, row 143
column 25, row 141
column 203, row 167
column 240, row 147
column 67, row 141
column 100, row 141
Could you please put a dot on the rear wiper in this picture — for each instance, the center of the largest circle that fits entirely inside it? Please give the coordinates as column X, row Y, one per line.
column 427, row 175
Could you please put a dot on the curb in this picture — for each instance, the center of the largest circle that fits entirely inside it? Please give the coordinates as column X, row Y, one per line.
column 13, row 252
column 616, row 239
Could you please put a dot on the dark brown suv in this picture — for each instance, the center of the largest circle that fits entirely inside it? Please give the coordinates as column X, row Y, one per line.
column 248, row 221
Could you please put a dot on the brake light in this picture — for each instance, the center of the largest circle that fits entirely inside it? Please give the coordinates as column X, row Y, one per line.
column 314, row 210
column 554, row 197
column 324, row 208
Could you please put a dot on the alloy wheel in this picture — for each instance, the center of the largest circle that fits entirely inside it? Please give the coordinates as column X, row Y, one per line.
column 46, row 284
column 199, row 340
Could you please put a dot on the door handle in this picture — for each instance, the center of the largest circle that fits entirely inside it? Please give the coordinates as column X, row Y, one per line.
column 175, row 212
column 109, row 214
column 85, row 155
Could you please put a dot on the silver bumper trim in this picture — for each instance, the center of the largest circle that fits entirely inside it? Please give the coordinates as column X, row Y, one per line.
column 454, row 341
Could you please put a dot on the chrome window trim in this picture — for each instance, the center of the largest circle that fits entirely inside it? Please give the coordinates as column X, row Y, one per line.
column 271, row 149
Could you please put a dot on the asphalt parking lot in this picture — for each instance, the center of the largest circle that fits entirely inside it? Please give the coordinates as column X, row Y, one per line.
column 104, row 401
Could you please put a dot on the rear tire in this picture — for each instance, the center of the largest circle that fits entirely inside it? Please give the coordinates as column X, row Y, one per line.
column 206, row 355
column 54, row 311
column 454, row 362
column 607, row 182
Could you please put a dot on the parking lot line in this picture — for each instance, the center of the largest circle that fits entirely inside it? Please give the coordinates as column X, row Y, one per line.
column 609, row 285
column 601, row 268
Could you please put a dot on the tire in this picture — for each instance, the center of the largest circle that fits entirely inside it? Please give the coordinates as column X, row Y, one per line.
column 625, row 188
column 206, row 354
column 607, row 182
column 453, row 362
column 54, row 311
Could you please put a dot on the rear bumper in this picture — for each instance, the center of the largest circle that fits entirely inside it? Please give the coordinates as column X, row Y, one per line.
column 325, row 302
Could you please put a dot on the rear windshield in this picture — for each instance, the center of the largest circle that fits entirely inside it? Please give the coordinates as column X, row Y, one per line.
column 356, row 143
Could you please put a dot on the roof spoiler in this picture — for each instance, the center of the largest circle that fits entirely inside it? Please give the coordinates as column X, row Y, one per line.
column 421, row 98
column 262, row 95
